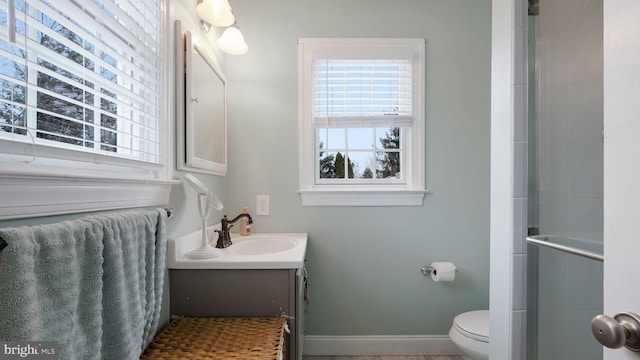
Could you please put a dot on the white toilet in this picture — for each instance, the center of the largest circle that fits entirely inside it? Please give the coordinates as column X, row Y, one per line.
column 470, row 333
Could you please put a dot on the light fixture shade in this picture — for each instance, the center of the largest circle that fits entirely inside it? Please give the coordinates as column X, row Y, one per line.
column 232, row 42
column 215, row 12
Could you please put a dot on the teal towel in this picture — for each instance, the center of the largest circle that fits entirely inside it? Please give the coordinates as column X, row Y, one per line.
column 94, row 284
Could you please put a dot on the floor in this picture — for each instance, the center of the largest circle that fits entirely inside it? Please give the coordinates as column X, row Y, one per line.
column 383, row 357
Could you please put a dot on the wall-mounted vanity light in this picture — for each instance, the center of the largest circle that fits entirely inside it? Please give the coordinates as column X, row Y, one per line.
column 218, row 13
column 215, row 12
column 232, row 41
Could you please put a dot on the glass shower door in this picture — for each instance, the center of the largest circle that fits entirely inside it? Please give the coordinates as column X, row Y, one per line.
column 565, row 178
column 565, row 292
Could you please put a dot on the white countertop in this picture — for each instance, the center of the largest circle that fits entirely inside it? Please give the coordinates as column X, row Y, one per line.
column 288, row 259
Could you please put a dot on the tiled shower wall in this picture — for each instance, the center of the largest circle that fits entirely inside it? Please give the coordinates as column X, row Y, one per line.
column 570, row 148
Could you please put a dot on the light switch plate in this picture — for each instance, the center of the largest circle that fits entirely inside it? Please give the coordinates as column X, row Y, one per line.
column 262, row 205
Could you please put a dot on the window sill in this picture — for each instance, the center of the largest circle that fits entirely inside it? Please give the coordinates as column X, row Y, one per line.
column 35, row 195
column 362, row 197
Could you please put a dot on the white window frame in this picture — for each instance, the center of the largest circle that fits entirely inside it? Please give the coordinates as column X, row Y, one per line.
column 68, row 181
column 408, row 193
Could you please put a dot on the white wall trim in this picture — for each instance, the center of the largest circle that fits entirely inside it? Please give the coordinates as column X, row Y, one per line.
column 319, row 345
column 46, row 195
column 362, row 198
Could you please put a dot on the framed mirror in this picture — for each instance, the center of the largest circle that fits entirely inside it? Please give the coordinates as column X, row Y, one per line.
column 200, row 108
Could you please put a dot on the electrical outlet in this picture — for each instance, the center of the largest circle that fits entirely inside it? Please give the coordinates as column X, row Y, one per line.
column 262, row 205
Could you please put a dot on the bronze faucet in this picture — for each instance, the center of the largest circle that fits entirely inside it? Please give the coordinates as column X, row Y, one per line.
column 224, row 239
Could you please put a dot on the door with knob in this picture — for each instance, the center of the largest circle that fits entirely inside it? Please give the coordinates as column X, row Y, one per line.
column 621, row 169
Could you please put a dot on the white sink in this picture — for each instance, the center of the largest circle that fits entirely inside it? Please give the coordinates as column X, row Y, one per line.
column 256, row 251
column 262, row 246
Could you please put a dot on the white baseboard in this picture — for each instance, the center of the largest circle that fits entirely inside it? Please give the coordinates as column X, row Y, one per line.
column 318, row 345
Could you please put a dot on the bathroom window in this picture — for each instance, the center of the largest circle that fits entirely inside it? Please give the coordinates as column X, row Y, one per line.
column 361, row 121
column 80, row 90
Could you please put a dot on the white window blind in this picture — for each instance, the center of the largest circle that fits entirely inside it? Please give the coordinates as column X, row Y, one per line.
column 82, row 78
column 362, row 93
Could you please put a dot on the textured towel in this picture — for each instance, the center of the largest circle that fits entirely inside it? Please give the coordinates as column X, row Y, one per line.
column 92, row 284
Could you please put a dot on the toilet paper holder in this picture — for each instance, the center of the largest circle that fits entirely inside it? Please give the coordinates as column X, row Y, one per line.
column 427, row 270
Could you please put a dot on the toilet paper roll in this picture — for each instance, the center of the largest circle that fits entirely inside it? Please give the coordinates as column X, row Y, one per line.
column 443, row 271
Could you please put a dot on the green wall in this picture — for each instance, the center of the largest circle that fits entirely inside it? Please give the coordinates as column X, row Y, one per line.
column 364, row 262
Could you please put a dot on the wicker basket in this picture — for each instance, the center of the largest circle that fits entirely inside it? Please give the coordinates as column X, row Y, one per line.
column 219, row 338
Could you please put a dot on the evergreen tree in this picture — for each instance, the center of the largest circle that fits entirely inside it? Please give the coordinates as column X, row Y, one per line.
column 367, row 173
column 339, row 167
column 327, row 166
column 389, row 161
column 350, row 168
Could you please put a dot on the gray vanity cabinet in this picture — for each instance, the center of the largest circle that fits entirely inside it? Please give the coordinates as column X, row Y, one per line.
column 242, row 292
